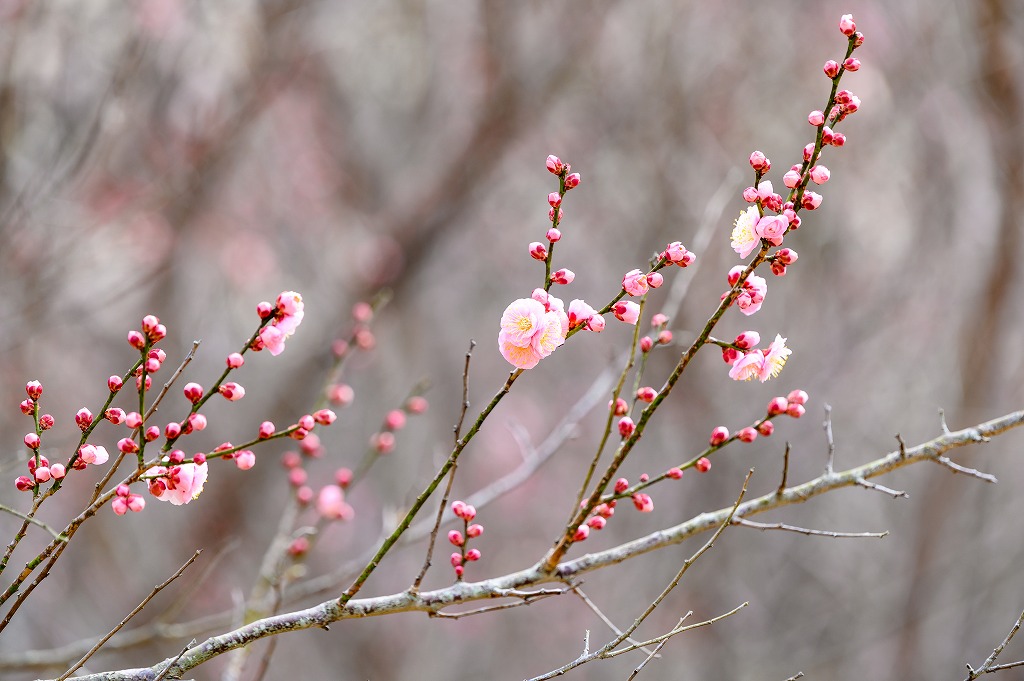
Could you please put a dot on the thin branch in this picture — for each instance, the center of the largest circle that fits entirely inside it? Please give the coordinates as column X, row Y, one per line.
column 173, row 661
column 35, row 521
column 680, row 630
column 827, row 425
column 465, row 392
column 785, row 471
column 174, row 377
column 525, row 598
column 988, row 666
column 654, row 653
column 604, row 618
column 957, row 468
column 894, row 493
column 145, row 601
column 798, row 675
column 803, row 530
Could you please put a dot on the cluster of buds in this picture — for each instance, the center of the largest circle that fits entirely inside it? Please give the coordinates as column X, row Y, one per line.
column 383, row 441
column 461, row 539
column 281, row 320
column 748, row 362
column 664, row 336
column 597, row 520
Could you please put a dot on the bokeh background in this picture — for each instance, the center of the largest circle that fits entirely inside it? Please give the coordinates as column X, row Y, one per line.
column 189, row 159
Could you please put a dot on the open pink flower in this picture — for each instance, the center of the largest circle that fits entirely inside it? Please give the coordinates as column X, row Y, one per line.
column 626, row 311
column 744, row 238
column 181, row 484
column 579, row 313
column 532, row 330
column 520, row 322
column 747, row 367
column 774, row 358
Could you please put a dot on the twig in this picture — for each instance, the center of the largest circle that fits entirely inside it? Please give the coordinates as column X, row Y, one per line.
column 798, row 675
column 987, row 666
column 680, row 630
column 803, row 530
column 894, row 493
column 785, row 471
column 604, row 618
column 903, row 445
column 942, row 421
column 465, row 392
column 654, row 653
column 174, row 661
column 35, row 521
column 957, row 468
column 526, row 598
column 152, row 594
column 167, row 386
column 827, row 425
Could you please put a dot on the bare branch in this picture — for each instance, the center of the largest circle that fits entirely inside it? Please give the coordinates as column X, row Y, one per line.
column 35, row 521
column 957, row 468
column 989, row 666
column 867, row 484
column 803, row 530
column 604, row 618
column 785, row 470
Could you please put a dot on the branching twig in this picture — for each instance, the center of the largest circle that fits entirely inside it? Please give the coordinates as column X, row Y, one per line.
column 145, row 601
column 604, row 618
column 785, row 471
column 35, row 521
column 989, row 666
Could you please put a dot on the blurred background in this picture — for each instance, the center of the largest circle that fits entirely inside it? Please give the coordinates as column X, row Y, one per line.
column 190, row 159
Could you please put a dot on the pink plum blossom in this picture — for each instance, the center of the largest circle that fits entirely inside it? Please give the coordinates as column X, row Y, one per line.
column 331, row 505
column 772, row 228
column 747, row 367
column 529, row 332
column 744, row 238
column 181, row 484
column 626, row 311
column 774, row 359
column 579, row 313
column 635, row 283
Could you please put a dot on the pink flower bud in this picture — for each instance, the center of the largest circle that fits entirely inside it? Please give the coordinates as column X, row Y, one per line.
column 791, row 179
column 719, row 435
column 786, row 256
column 32, row 441
column 635, row 283
column 538, row 251
column 831, row 68
column 777, row 406
column 152, row 365
column 555, row 165
column 621, row 407
column 747, row 434
column 643, row 502
column 655, row 279
column 266, row 430
column 232, row 391
column 747, row 340
column 553, row 234
column 820, row 174
column 197, row 422
column 24, row 483
column 664, row 337
column 596, row 522
column 626, row 426
column 810, row 200
column 659, row 320
column 572, row 181
column 703, row 465
column 626, row 311
column 838, row 139
column 383, row 443
column 199, row 459
column 264, row 309
column 796, row 410
column 816, row 118
column 119, row 506
column 456, row 538
column 235, row 360
column 135, row 503
column 858, row 39
column 646, row 394
column 596, row 324
column 127, row 445
column 245, row 459
column 582, row 532
column 27, row 407
column 297, row 477
column 175, row 457
column 83, row 418
column 341, row 394
column 456, row 559
column 152, row 433
column 395, row 419
column 34, row 389
column 758, row 161
column 473, row 554
column 554, row 199
column 674, row 473
column 846, row 25
column 621, row 485
column 46, row 422
column 563, row 276
column 646, row 343
column 193, row 392
column 551, row 214
column 851, row 64
column 138, row 382
column 136, row 340
column 114, row 383
column 474, row 530
column 808, row 151
column 797, row 397
column 42, row 474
